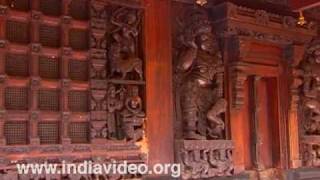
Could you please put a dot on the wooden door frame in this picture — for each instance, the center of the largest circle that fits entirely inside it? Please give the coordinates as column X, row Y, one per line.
column 239, row 69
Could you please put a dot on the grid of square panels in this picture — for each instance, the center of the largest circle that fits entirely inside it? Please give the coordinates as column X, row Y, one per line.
column 49, row 132
column 16, row 133
column 18, row 64
column 79, row 132
column 16, row 98
column 78, row 101
column 48, row 100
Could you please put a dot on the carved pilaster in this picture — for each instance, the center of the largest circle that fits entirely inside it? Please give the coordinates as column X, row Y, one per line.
column 66, row 20
column 65, row 84
column 98, row 72
column 35, row 53
column 2, row 109
column 3, row 50
column 3, row 18
column 66, row 54
column 65, row 125
column 34, row 119
column 3, row 82
column 36, row 18
column 34, row 87
column 238, row 79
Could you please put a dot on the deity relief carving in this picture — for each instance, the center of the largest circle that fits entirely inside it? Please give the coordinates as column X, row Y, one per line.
column 311, row 154
column 311, row 89
column 125, row 113
column 123, row 54
column 199, row 80
column 201, row 147
column 309, row 105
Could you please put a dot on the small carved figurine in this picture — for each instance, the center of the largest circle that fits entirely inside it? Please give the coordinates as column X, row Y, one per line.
column 114, row 104
column 133, row 116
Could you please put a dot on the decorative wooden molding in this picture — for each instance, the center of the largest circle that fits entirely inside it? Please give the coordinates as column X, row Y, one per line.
column 258, row 24
column 205, row 159
column 238, row 77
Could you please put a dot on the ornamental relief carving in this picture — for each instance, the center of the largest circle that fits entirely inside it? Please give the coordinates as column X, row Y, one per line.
column 117, row 109
column 310, row 90
column 199, row 74
column 201, row 145
column 309, row 106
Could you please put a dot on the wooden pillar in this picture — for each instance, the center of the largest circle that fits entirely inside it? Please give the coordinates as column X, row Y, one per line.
column 236, row 87
column 297, row 53
column 159, row 92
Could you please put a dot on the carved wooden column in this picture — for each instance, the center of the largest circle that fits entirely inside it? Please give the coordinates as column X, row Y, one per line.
column 236, row 79
column 158, row 55
column 98, row 83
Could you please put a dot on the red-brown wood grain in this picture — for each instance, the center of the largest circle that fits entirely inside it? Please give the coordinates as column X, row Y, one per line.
column 158, row 58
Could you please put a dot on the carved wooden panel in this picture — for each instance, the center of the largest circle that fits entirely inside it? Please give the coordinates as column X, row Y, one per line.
column 21, row 5
column 17, row 64
column 78, row 39
column 49, row 35
column 16, row 98
column 49, row 132
column 200, row 129
column 117, row 108
column 78, row 70
column 62, row 93
column 16, row 133
column 18, row 32
column 78, row 101
column 48, row 100
column 309, row 105
column 79, row 9
column 79, row 132
column 49, row 67
column 51, row 7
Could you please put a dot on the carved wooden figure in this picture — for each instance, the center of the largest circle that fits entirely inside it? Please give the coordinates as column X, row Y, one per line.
column 202, row 147
column 310, row 104
column 198, row 72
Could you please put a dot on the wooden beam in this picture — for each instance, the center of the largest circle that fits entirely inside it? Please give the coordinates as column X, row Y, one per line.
column 300, row 5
